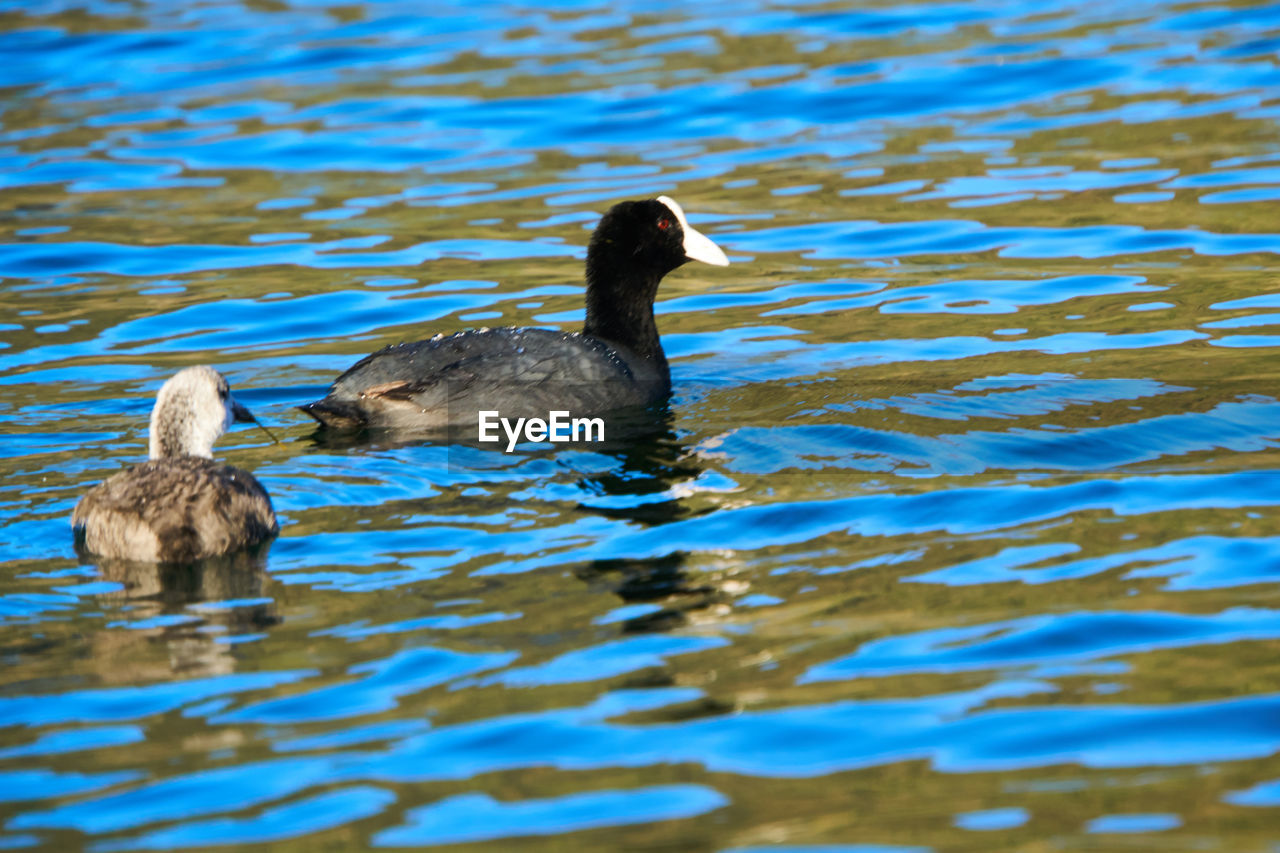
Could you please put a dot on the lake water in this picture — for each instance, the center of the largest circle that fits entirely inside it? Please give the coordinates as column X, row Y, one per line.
column 963, row 532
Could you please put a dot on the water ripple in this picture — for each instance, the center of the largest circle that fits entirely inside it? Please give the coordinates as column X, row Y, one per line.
column 963, row 507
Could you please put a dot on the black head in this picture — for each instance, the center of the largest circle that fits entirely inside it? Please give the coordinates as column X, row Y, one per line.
column 651, row 235
column 633, row 247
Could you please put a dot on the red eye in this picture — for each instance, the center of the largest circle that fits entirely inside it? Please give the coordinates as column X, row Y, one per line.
column 664, row 224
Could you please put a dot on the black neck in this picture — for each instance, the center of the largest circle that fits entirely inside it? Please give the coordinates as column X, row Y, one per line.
column 620, row 306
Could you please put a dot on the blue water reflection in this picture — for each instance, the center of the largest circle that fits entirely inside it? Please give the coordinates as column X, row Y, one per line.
column 475, row 817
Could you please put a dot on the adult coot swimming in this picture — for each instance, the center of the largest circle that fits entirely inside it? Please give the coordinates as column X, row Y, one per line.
column 180, row 505
column 615, row 362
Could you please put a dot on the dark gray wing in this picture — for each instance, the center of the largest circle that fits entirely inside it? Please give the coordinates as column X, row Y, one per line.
column 446, row 380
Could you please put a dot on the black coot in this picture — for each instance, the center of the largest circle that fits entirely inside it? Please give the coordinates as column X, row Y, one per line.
column 615, row 362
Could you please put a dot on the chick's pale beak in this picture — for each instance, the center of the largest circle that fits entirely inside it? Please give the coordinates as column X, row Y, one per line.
column 244, row 416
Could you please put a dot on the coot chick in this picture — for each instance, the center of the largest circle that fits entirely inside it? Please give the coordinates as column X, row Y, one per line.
column 180, row 505
column 615, row 362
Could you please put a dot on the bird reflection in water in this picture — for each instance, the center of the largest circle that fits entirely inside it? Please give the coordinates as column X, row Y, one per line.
column 660, row 467
column 163, row 602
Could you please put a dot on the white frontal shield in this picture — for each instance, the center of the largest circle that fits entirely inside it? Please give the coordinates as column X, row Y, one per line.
column 696, row 245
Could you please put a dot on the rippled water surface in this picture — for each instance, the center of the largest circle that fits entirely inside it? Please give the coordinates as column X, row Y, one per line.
column 962, row 535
